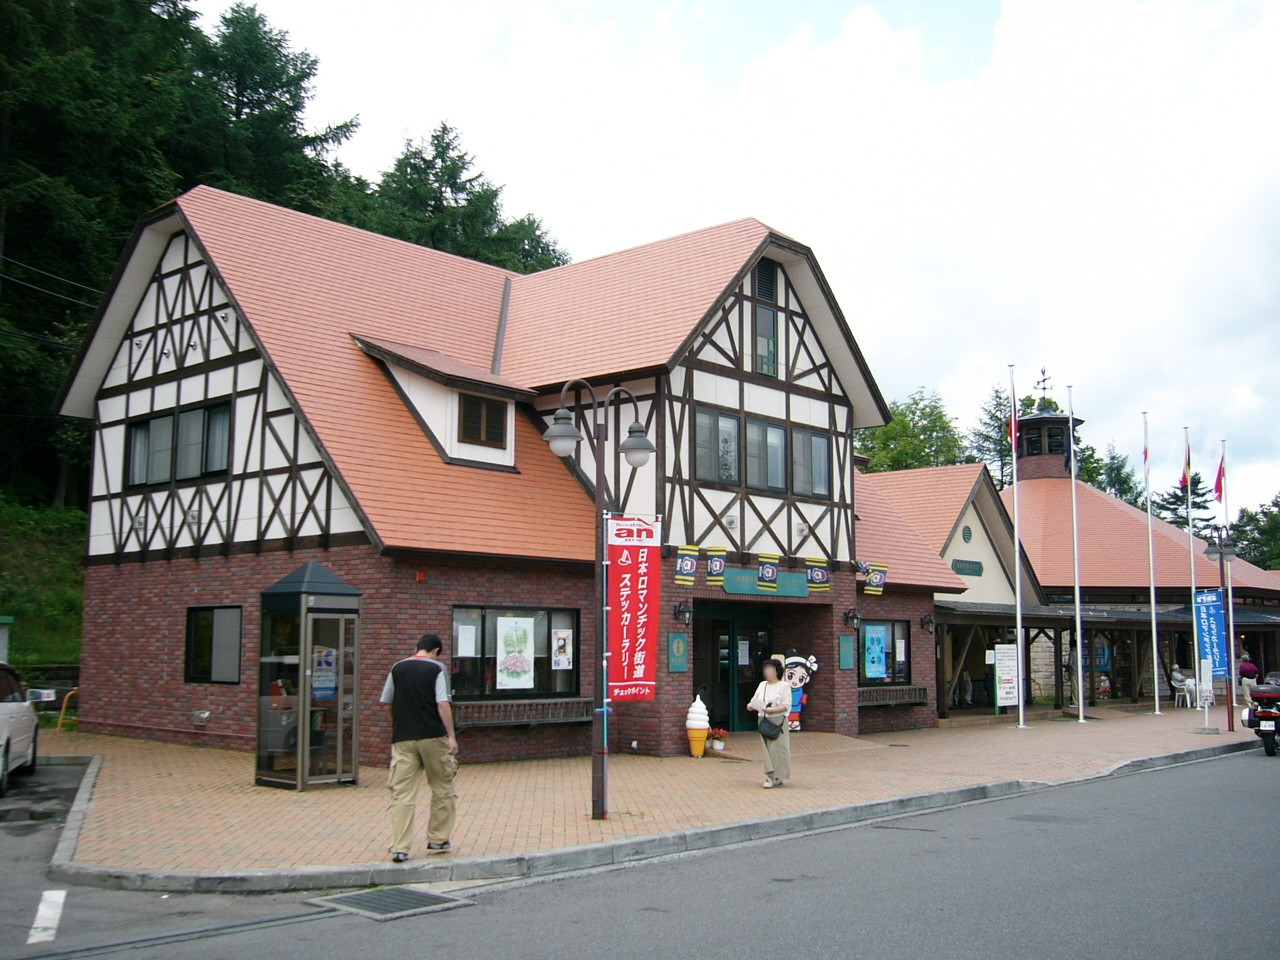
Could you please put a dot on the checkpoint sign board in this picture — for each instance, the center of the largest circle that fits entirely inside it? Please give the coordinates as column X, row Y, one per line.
column 634, row 578
column 1213, row 631
column 1006, row 674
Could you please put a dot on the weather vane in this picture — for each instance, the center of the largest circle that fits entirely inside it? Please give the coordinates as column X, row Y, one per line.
column 1043, row 386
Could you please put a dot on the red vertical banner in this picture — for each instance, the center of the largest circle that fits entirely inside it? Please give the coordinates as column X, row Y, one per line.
column 634, row 578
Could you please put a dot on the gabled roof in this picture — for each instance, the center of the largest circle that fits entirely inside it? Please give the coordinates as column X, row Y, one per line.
column 322, row 298
column 934, row 500
column 884, row 536
column 1113, row 543
column 931, row 499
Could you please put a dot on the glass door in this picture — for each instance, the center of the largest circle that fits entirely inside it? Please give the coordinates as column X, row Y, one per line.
column 279, row 686
column 753, row 644
column 329, row 748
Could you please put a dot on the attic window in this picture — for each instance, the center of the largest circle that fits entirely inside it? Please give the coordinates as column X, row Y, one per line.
column 482, row 421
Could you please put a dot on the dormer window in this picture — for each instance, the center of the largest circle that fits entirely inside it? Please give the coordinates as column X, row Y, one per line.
column 482, row 421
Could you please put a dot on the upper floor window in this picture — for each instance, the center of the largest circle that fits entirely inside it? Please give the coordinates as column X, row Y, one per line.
column 1056, row 440
column 765, row 319
column 766, row 341
column 766, row 455
column 810, row 463
column 716, row 437
column 182, row 446
column 482, row 421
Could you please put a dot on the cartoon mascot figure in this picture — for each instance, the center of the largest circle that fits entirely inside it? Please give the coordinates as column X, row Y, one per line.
column 798, row 671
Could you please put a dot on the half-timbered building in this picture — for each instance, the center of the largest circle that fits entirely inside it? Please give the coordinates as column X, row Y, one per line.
column 313, row 444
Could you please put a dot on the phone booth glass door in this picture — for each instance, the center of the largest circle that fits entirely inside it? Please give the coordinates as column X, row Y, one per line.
column 329, row 751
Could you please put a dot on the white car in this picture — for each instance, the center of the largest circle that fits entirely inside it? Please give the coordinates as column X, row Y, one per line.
column 19, row 728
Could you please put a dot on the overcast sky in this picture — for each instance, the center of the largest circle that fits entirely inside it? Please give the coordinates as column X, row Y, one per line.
column 1091, row 186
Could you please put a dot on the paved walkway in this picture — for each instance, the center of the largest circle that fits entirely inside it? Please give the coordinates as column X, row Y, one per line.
column 160, row 810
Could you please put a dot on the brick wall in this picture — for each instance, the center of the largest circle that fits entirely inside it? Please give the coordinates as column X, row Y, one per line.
column 135, row 622
column 911, row 607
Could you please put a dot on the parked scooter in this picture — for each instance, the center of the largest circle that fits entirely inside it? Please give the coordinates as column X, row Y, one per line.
column 1263, row 715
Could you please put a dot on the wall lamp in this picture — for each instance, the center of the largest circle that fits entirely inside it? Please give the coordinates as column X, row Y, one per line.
column 851, row 618
column 683, row 612
column 928, row 623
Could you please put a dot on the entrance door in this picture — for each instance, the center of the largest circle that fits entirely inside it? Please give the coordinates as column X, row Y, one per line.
column 329, row 748
column 729, row 647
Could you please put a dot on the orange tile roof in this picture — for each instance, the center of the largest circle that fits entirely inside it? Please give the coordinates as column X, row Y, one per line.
column 931, row 499
column 626, row 311
column 1113, row 543
column 304, row 284
column 883, row 536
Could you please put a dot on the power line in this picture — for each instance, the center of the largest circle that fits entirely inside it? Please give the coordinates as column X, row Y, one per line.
column 60, row 296
column 36, row 338
column 27, row 266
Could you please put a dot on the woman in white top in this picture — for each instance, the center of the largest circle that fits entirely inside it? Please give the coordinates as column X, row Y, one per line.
column 772, row 699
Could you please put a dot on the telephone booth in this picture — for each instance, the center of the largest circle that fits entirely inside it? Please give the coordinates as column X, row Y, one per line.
column 308, row 679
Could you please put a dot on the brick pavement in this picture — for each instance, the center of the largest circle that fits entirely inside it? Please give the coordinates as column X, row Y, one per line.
column 162, row 807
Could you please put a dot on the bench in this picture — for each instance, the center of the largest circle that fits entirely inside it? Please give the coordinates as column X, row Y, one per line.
column 520, row 713
column 892, row 696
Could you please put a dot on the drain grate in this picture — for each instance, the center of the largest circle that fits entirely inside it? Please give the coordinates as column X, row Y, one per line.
column 390, row 903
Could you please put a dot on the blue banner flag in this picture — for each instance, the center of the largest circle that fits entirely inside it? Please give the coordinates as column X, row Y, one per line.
column 1213, row 631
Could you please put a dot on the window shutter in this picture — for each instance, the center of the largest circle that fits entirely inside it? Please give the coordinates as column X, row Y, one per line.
column 766, row 285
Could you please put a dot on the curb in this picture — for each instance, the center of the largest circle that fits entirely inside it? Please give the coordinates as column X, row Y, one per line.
column 63, row 867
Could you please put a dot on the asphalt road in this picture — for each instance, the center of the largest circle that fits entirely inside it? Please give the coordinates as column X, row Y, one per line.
column 1141, row 866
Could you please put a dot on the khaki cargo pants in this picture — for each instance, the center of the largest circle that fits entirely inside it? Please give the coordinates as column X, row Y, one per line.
column 409, row 760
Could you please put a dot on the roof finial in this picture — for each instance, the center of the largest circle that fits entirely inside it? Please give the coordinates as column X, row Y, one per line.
column 1043, row 386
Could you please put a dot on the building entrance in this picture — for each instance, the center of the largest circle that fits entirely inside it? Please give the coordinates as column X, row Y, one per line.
column 730, row 645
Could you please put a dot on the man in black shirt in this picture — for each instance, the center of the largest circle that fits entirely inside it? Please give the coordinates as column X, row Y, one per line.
column 422, row 741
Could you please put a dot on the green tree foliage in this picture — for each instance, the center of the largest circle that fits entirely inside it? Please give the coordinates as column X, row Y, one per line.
column 1257, row 534
column 1172, row 506
column 431, row 197
column 109, row 108
column 242, row 129
column 1118, row 478
column 989, row 440
column 921, row 434
column 41, row 581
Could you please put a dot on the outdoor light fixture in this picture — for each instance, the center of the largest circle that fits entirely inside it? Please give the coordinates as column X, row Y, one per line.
column 851, row 618
column 563, row 437
column 683, row 612
column 927, row 623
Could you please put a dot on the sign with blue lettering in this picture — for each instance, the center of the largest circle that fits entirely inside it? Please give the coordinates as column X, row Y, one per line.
column 1213, row 631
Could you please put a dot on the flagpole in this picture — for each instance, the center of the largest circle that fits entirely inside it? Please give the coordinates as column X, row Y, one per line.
column 1151, row 563
column 1075, row 553
column 1191, row 555
column 1017, row 550
column 1231, row 613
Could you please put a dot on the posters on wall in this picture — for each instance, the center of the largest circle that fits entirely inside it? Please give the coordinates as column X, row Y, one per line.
column 874, row 664
column 561, row 649
column 466, row 646
column 515, row 653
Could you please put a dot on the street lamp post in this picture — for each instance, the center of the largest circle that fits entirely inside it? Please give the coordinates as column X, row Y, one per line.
column 1221, row 549
column 563, row 438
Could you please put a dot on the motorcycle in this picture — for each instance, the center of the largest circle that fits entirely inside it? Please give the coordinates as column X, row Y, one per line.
column 1263, row 715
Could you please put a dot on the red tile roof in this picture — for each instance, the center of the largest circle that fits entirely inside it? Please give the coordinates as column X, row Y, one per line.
column 883, row 536
column 304, row 284
column 1113, row 543
column 626, row 311
column 931, row 499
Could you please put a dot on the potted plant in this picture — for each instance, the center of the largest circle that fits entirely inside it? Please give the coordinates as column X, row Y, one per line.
column 716, row 737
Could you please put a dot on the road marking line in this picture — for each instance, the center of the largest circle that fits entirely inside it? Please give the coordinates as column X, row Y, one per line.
column 47, row 916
